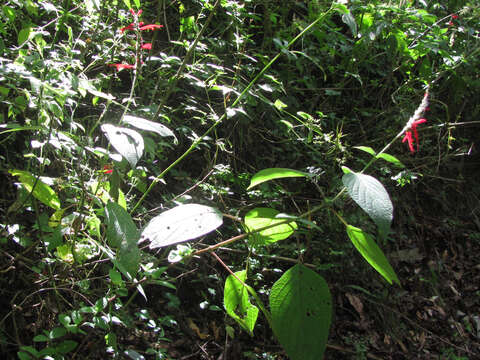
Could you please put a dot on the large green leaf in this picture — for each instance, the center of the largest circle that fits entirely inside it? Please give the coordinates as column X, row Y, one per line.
column 261, row 217
column 274, row 173
column 237, row 303
column 123, row 234
column 301, row 308
column 143, row 124
column 182, row 223
column 372, row 197
column 372, row 253
column 38, row 188
column 127, row 142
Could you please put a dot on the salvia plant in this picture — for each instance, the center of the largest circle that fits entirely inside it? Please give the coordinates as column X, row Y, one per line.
column 299, row 309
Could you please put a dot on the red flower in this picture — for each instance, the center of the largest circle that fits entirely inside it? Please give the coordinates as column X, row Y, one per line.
column 135, row 13
column 151, row 27
column 147, row 46
column 454, row 16
column 409, row 136
column 450, row 23
column 131, row 26
column 122, row 66
column 107, row 169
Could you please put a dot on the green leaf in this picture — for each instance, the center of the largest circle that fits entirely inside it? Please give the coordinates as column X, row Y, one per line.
column 66, row 346
column 182, row 223
column 122, row 233
column 41, row 191
column 23, row 356
column 261, row 217
column 24, row 35
column 127, row 4
column 372, row 253
column 274, row 173
column 148, row 125
column 372, row 197
column 237, row 303
column 367, row 149
column 301, row 307
column 57, row 332
column 279, row 104
column 127, row 142
column 390, row 158
column 137, row 4
column 115, row 277
column 40, row 338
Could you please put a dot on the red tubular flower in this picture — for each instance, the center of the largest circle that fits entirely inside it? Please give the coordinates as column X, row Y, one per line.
column 147, row 46
column 409, row 136
column 151, row 27
column 107, row 169
column 129, row 27
column 454, row 16
column 122, row 66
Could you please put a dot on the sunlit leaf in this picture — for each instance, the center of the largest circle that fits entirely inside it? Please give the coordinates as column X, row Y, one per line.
column 372, row 197
column 182, row 223
column 127, row 142
column 274, row 173
column 369, row 249
column 261, row 217
column 237, row 303
column 38, row 188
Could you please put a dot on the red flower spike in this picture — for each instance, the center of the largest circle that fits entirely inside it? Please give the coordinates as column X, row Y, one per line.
column 122, row 66
column 147, row 46
column 409, row 136
column 454, row 16
column 151, row 27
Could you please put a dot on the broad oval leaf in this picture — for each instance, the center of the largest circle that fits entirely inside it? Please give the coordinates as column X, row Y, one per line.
column 301, row 307
column 372, row 197
column 38, row 188
column 372, row 253
column 237, row 303
column 274, row 173
column 182, row 223
column 143, row 124
column 123, row 234
column 127, row 142
column 261, row 217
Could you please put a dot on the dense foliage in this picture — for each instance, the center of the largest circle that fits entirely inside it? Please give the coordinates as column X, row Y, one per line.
column 212, row 179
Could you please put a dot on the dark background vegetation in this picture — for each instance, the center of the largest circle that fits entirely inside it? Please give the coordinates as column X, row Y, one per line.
column 346, row 83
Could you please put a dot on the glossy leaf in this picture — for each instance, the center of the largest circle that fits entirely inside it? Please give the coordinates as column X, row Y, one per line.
column 274, row 173
column 127, row 142
column 261, row 217
column 369, row 249
column 301, row 310
column 182, row 223
column 237, row 303
column 143, row 124
column 372, row 197
column 38, row 188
